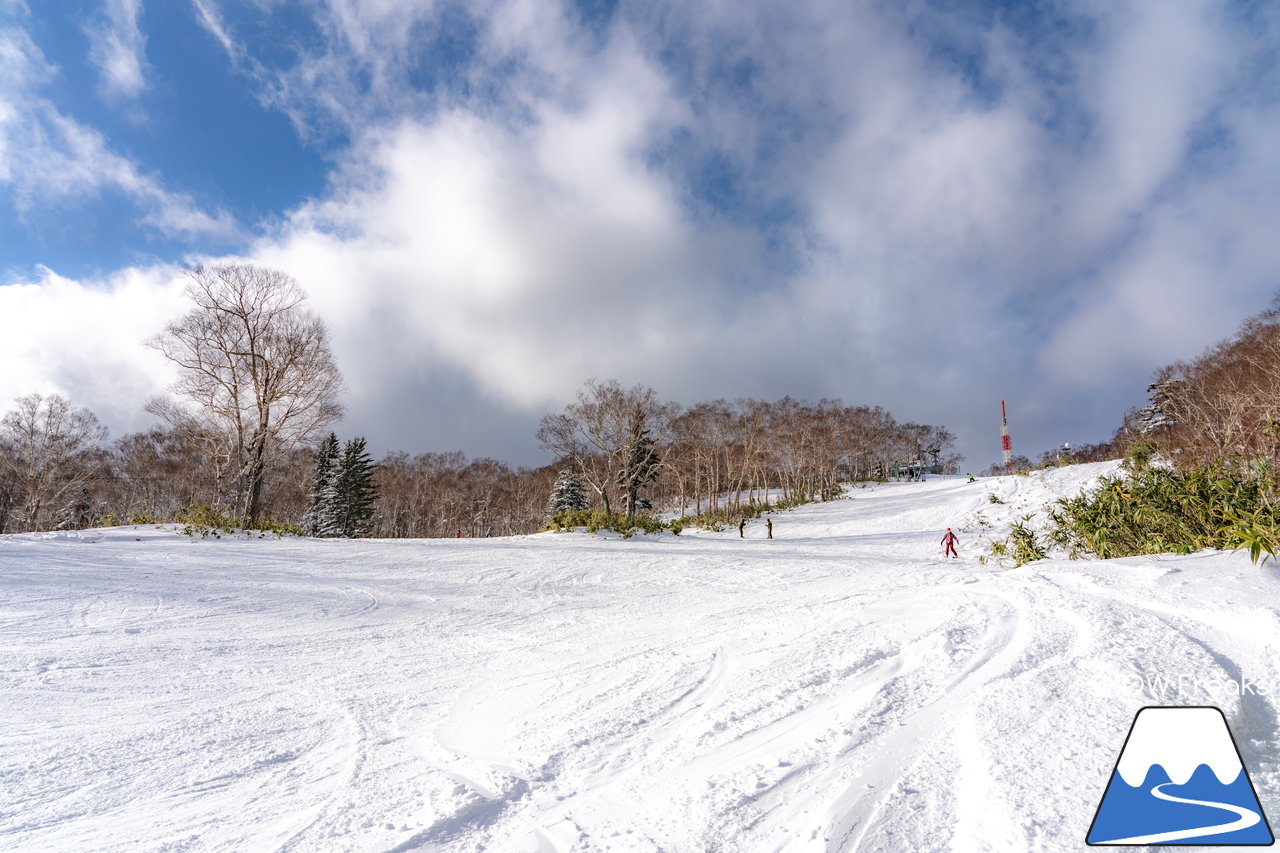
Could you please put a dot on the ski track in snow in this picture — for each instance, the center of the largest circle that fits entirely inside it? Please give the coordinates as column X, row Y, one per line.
column 842, row 687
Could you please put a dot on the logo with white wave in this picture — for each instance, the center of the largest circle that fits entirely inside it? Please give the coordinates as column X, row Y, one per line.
column 1180, row 780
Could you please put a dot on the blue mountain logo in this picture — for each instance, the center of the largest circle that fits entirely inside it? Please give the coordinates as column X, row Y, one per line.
column 1180, row 780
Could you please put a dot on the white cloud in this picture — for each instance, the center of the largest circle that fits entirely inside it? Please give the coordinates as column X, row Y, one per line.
column 210, row 18
column 1199, row 264
column 522, row 255
column 84, row 340
column 117, row 47
column 48, row 158
column 357, row 72
column 1185, row 240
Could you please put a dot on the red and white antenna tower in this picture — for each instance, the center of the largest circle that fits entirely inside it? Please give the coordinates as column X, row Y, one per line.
column 1005, row 441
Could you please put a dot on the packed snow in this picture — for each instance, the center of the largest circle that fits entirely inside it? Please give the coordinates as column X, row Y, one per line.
column 839, row 687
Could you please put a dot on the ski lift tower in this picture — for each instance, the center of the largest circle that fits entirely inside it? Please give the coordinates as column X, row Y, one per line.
column 1005, row 441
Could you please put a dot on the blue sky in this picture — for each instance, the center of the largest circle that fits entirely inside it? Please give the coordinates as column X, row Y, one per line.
column 925, row 206
column 193, row 125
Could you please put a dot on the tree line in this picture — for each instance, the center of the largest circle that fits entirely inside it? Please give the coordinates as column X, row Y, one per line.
column 1222, row 408
column 58, row 471
column 1101, row 451
column 244, row 435
column 635, row 451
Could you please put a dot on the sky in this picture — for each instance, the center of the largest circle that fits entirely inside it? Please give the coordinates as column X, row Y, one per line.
column 925, row 206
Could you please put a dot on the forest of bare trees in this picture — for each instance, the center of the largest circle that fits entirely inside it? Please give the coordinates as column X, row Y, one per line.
column 1222, row 408
column 1071, row 455
column 59, row 471
column 443, row 494
column 59, row 478
column 723, row 453
column 714, row 456
column 49, row 452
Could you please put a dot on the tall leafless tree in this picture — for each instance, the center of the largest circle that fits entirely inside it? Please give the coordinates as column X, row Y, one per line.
column 596, row 432
column 256, row 375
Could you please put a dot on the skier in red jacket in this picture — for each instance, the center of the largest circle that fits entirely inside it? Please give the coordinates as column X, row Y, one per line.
column 950, row 541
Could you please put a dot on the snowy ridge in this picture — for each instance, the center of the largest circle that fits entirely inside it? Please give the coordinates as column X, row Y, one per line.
column 842, row 687
column 1179, row 740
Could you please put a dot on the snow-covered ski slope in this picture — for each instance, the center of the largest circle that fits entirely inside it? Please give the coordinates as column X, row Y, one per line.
column 841, row 687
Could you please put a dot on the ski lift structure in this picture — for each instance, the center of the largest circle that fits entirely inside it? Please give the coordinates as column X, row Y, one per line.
column 926, row 461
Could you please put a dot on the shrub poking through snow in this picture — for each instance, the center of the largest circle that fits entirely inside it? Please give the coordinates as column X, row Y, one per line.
column 205, row 521
column 1154, row 510
column 1020, row 547
column 595, row 520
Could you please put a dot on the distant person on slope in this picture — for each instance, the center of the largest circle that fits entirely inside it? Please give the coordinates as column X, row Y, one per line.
column 741, row 525
column 971, row 480
column 950, row 541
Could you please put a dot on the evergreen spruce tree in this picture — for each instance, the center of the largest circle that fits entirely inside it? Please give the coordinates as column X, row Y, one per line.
column 1153, row 417
column 354, row 492
column 567, row 494
column 319, row 517
column 78, row 513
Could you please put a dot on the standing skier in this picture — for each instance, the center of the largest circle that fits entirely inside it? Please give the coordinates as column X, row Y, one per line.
column 950, row 540
column 741, row 526
column 769, row 525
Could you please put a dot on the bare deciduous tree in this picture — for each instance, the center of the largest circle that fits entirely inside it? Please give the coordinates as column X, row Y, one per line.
column 257, row 377
column 47, row 452
column 597, row 435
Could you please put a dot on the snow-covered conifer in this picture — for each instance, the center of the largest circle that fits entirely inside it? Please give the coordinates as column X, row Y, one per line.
column 567, row 494
column 354, row 492
column 1153, row 417
column 319, row 518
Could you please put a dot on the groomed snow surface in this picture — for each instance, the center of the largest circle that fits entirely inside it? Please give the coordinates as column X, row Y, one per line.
column 841, row 687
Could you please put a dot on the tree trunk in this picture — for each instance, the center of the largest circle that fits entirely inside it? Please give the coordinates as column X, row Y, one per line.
column 251, row 479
